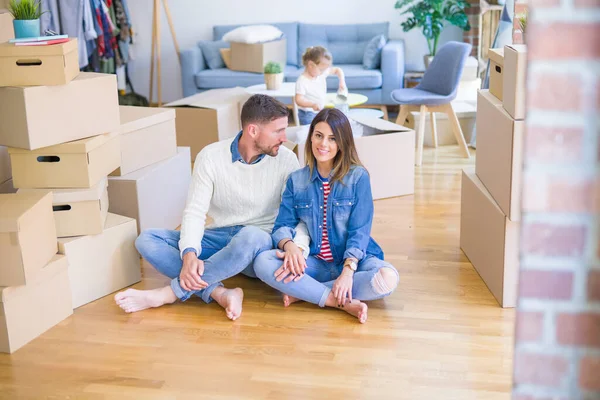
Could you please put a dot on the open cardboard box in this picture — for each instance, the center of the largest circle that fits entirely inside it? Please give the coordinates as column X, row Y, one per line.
column 147, row 137
column 208, row 117
column 386, row 149
column 57, row 64
column 78, row 212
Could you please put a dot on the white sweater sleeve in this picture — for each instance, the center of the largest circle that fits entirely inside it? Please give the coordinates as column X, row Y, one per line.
column 198, row 202
column 302, row 238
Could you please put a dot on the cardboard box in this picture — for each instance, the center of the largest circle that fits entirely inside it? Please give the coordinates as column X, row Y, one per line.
column 78, row 212
column 499, row 154
column 252, row 57
column 386, row 150
column 5, row 169
column 28, row 311
column 7, row 187
column 27, row 236
column 208, row 117
column 33, row 117
column 147, row 137
column 6, row 26
column 489, row 240
column 466, row 114
column 156, row 195
column 102, row 264
column 513, row 85
column 496, row 72
column 79, row 164
column 38, row 65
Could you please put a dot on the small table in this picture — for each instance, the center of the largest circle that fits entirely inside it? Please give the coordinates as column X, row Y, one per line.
column 287, row 89
column 366, row 112
column 354, row 99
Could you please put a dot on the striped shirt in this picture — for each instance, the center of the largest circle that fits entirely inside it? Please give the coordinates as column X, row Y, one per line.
column 325, row 253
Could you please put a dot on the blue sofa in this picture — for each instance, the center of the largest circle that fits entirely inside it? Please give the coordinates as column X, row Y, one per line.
column 345, row 42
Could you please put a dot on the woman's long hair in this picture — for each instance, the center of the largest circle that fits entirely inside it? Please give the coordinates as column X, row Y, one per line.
column 346, row 156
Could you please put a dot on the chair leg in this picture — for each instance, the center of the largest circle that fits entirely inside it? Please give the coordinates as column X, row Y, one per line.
column 434, row 137
column 421, row 135
column 385, row 112
column 402, row 114
column 456, row 129
column 295, row 112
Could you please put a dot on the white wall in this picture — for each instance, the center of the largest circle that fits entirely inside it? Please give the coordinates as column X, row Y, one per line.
column 194, row 19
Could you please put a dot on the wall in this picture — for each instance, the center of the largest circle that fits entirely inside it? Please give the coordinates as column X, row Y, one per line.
column 194, row 19
column 557, row 353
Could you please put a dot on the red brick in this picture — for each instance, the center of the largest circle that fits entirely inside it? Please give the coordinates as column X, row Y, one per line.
column 589, row 372
column 555, row 91
column 556, row 285
column 571, row 195
column 560, row 41
column 540, row 369
column 553, row 240
column 529, row 326
column 581, row 329
column 593, row 286
column 553, row 145
column 587, row 3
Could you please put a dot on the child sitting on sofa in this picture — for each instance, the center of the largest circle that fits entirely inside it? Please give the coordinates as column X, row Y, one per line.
column 311, row 86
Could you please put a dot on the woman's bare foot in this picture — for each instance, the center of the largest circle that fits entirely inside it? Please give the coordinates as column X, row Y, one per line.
column 231, row 300
column 132, row 300
column 357, row 309
column 289, row 300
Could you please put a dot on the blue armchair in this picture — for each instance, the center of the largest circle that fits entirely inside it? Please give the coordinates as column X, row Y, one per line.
column 346, row 43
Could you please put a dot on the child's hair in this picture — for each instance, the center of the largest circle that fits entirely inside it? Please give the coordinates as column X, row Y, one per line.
column 347, row 156
column 315, row 54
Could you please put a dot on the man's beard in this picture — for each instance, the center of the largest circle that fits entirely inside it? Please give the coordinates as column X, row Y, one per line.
column 270, row 151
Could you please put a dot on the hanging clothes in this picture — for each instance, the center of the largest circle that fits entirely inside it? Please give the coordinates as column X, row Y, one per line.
column 71, row 21
column 50, row 18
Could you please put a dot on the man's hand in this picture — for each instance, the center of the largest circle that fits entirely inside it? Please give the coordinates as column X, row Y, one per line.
column 342, row 287
column 294, row 264
column 190, row 277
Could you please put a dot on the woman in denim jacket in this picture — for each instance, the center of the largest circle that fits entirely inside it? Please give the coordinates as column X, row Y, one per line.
column 332, row 196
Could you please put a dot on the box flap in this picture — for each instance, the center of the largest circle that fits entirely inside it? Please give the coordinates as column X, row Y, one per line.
column 497, row 56
column 58, row 264
column 212, row 99
column 135, row 175
column 519, row 48
column 380, row 124
column 10, row 50
column 77, row 146
column 13, row 206
column 485, row 93
column 136, row 118
column 65, row 196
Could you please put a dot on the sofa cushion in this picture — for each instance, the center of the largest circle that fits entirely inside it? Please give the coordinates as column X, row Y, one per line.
column 289, row 29
column 372, row 56
column 346, row 43
column 356, row 77
column 226, row 78
column 211, row 51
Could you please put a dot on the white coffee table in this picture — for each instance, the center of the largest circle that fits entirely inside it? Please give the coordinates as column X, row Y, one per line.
column 287, row 89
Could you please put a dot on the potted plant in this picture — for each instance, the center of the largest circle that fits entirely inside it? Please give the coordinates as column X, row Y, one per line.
column 26, row 14
column 430, row 15
column 273, row 75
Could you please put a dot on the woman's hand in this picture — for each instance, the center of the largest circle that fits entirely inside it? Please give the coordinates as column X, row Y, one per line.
column 294, row 264
column 342, row 287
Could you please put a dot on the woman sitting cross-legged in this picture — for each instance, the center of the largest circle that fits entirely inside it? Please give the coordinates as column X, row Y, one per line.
column 332, row 195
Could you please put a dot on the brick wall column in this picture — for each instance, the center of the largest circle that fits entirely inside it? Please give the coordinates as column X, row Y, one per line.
column 472, row 36
column 557, row 343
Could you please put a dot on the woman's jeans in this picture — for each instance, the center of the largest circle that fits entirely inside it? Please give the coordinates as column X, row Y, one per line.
column 320, row 276
column 225, row 251
column 306, row 117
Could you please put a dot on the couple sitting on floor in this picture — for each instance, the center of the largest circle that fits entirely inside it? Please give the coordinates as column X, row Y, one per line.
column 318, row 218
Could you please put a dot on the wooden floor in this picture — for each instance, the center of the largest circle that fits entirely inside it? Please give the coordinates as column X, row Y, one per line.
column 440, row 336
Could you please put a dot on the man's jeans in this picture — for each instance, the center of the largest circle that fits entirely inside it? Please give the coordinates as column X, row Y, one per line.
column 225, row 251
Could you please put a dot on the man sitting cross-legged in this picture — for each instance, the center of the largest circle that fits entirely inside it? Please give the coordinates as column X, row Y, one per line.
column 238, row 183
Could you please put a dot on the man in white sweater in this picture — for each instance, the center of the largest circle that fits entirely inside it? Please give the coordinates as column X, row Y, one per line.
column 238, row 183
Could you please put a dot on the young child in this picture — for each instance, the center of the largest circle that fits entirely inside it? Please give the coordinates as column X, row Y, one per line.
column 311, row 86
column 332, row 196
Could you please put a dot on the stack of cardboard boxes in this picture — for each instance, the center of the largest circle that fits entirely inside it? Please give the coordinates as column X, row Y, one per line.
column 491, row 200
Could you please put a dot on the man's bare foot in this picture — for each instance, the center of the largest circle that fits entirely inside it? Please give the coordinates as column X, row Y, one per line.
column 132, row 300
column 231, row 300
column 357, row 309
column 289, row 300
